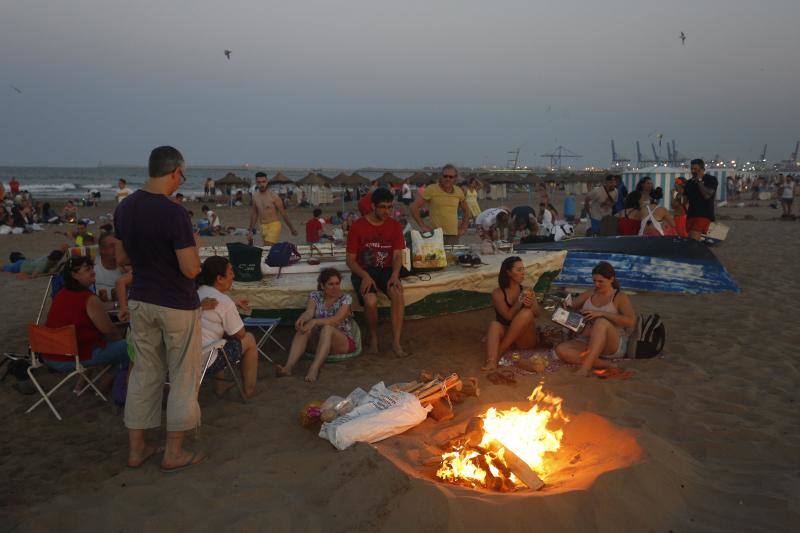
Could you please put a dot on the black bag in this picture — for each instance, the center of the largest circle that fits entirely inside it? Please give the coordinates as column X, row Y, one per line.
column 282, row 255
column 246, row 261
column 648, row 338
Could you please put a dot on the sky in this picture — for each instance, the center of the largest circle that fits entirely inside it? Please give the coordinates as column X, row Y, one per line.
column 315, row 83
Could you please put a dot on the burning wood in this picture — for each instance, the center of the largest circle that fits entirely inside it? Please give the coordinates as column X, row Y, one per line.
column 505, row 450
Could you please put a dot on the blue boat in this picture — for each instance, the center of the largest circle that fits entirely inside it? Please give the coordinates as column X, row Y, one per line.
column 643, row 264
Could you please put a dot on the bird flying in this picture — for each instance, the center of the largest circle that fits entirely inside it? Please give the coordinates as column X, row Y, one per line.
column 228, row 54
column 15, row 88
column 683, row 38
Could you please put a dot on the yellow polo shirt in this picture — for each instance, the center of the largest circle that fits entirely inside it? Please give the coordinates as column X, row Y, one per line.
column 443, row 207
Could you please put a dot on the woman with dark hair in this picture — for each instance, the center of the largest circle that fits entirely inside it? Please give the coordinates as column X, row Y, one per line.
column 630, row 219
column 326, row 322
column 100, row 342
column 515, row 311
column 611, row 317
column 645, row 188
column 220, row 320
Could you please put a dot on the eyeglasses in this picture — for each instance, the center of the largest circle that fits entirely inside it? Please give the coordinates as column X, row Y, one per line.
column 448, row 177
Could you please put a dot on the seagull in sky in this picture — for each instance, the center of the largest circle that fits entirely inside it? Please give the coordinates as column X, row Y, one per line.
column 15, row 88
column 683, row 38
column 228, row 54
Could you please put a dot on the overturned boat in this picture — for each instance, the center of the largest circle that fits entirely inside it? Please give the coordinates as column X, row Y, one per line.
column 451, row 290
column 643, row 264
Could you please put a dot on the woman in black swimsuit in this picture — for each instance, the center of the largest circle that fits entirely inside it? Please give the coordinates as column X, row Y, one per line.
column 515, row 311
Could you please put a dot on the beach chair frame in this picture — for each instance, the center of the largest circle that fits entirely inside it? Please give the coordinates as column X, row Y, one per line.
column 217, row 347
column 58, row 341
column 266, row 326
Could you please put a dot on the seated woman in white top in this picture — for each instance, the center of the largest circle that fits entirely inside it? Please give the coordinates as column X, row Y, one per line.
column 220, row 320
column 326, row 322
column 611, row 317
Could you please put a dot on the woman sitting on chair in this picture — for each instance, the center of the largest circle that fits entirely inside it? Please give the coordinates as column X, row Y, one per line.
column 515, row 311
column 326, row 322
column 100, row 342
column 220, row 320
column 611, row 316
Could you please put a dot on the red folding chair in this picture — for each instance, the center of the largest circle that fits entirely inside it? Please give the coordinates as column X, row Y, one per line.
column 45, row 342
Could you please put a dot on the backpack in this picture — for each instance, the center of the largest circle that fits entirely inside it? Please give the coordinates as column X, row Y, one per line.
column 282, row 255
column 648, row 338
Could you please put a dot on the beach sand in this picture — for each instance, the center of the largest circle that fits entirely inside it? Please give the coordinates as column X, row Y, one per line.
column 709, row 433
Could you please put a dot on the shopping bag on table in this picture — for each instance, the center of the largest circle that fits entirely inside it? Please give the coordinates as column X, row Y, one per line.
column 427, row 250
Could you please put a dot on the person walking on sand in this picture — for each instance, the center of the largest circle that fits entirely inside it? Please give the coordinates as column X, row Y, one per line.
column 787, row 195
column 267, row 206
column 375, row 247
column 123, row 191
column 443, row 200
column 599, row 203
column 154, row 236
column 700, row 192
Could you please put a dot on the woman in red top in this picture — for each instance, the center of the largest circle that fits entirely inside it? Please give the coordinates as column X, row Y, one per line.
column 99, row 340
column 630, row 219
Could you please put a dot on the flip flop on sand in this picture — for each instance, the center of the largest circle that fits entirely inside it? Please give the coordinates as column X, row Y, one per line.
column 158, row 450
column 502, row 377
column 614, row 373
column 196, row 459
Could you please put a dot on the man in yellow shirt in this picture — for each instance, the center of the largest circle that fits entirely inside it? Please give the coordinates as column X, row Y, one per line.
column 443, row 200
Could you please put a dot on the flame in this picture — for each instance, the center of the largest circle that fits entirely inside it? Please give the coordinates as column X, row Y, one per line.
column 525, row 433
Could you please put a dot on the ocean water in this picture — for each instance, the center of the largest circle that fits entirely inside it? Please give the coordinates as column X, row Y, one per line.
column 75, row 182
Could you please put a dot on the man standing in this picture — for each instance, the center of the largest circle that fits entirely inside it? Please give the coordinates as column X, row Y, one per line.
column 600, row 202
column 622, row 193
column 123, row 191
column 700, row 192
column 443, row 200
column 375, row 247
column 155, row 237
column 266, row 208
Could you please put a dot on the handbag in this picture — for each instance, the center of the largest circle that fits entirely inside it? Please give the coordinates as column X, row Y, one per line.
column 282, row 255
column 427, row 250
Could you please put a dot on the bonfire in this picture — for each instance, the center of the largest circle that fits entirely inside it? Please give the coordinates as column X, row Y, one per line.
column 506, row 450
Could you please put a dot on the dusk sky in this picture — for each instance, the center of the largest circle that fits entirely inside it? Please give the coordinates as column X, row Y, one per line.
column 355, row 83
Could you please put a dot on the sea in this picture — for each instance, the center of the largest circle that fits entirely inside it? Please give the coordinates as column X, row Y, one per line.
column 77, row 182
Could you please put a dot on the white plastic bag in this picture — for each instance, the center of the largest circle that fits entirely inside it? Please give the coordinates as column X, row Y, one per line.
column 380, row 414
column 427, row 250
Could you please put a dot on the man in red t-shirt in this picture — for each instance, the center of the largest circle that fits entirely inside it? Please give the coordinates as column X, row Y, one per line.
column 13, row 187
column 375, row 247
column 314, row 228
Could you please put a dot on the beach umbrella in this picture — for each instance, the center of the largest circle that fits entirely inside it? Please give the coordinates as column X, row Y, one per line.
column 313, row 179
column 390, row 179
column 280, row 179
column 419, row 178
column 228, row 182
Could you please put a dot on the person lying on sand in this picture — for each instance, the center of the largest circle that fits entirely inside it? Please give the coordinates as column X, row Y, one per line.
column 611, row 317
column 34, row 268
column 326, row 323
column 221, row 320
column 515, row 310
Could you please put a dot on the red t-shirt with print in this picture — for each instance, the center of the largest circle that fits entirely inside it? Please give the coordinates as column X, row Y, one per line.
column 373, row 245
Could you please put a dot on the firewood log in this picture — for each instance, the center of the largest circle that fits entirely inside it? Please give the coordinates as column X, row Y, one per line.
column 441, row 411
column 521, row 469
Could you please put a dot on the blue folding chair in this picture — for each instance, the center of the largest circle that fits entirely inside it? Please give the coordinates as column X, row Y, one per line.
column 266, row 326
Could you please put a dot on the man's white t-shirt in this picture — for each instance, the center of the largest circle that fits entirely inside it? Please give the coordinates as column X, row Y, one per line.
column 488, row 217
column 788, row 191
column 220, row 321
column 105, row 278
column 123, row 193
column 600, row 205
column 406, row 191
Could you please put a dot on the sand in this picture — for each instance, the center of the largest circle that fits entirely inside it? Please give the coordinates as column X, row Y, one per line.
column 709, row 433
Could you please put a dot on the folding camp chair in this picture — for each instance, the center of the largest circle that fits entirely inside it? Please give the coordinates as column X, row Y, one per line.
column 46, row 341
column 216, row 348
column 266, row 326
